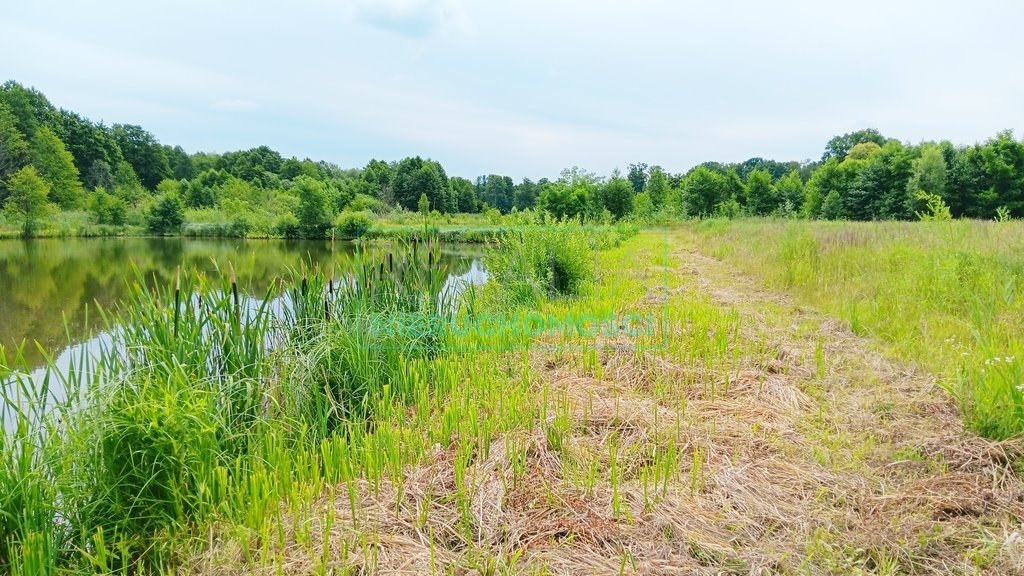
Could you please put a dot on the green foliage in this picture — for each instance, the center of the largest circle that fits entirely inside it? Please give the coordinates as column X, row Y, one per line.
column 761, row 197
column 364, row 203
column 790, row 192
column 354, row 224
column 167, row 215
column 617, row 196
column 839, row 146
column 493, row 216
column 314, row 210
column 731, row 208
column 929, row 172
column 638, row 176
column 108, row 209
column 658, row 186
column 423, row 206
column 144, row 153
column 28, row 198
column 643, row 206
column 936, row 209
column 465, row 195
column 832, row 207
column 863, row 151
column 287, row 225
column 496, row 191
column 530, row 265
column 414, row 177
column 703, row 191
column 14, row 148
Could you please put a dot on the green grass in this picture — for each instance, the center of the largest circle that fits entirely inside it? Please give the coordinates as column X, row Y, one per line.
column 947, row 295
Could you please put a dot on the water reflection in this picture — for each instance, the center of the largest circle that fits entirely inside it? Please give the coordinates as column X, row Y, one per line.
column 49, row 288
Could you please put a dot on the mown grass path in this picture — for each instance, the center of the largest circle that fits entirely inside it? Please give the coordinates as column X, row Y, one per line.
column 748, row 435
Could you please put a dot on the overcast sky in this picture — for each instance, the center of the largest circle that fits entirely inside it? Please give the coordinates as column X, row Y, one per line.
column 526, row 87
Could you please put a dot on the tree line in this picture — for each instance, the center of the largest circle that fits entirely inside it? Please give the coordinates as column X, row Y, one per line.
column 52, row 159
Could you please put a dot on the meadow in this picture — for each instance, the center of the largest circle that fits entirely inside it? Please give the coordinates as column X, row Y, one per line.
column 719, row 397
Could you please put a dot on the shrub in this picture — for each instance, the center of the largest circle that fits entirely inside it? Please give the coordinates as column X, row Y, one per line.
column 364, row 203
column 167, row 216
column 529, row 265
column 353, row 224
column 287, row 226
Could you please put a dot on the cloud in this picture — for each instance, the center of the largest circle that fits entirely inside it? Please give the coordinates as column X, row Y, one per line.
column 413, row 18
column 234, row 104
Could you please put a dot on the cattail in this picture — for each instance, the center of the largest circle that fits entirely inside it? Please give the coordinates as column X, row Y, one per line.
column 177, row 300
column 234, row 293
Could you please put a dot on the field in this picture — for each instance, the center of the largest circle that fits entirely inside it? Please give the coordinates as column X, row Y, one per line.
column 752, row 397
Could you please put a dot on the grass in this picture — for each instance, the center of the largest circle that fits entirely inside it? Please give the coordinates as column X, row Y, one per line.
column 946, row 295
column 663, row 414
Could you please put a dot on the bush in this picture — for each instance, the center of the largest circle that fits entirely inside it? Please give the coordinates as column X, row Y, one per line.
column 167, row 216
column 529, row 265
column 364, row 203
column 287, row 226
column 353, row 224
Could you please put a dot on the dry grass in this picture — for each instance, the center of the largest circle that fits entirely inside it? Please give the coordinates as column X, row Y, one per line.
column 802, row 450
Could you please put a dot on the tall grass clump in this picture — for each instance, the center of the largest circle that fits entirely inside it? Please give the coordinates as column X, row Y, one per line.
column 183, row 396
column 555, row 259
column 29, row 533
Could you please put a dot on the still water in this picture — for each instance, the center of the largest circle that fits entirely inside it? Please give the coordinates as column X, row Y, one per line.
column 51, row 289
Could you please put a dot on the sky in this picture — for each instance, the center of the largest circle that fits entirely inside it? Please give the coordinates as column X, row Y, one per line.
column 526, row 88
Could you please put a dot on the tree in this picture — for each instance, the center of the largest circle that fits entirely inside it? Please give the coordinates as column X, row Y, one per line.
column 415, row 176
column 497, row 191
column 928, row 172
column 790, row 191
column 57, row 166
column 828, row 178
column 127, row 185
column 91, row 145
column 832, row 207
column 28, row 198
column 29, row 106
column 562, row 201
column 703, row 190
column 13, row 148
column 314, row 209
column 863, row 151
column 1003, row 163
column 465, row 194
column 617, row 196
column 637, row 176
column 180, row 162
column 658, row 186
column 526, row 194
column 145, row 154
column 379, row 175
column 760, row 195
column 839, row 146
column 167, row 215
column 99, row 175
column 643, row 206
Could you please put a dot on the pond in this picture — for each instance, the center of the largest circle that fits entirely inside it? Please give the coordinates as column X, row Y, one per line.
column 51, row 289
